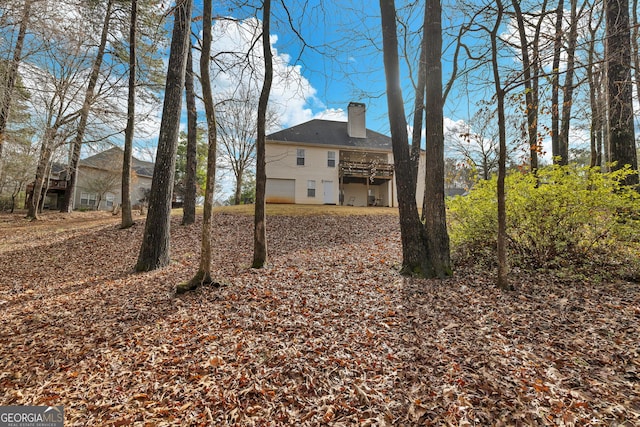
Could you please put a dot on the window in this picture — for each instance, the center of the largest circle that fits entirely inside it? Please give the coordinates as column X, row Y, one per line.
column 311, row 188
column 88, row 199
column 331, row 159
column 109, row 198
column 300, row 157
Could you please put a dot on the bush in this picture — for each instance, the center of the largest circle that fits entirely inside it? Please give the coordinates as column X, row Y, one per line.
column 568, row 215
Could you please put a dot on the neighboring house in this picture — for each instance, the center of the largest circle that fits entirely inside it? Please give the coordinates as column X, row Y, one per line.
column 99, row 182
column 330, row 162
column 100, row 176
column 56, row 188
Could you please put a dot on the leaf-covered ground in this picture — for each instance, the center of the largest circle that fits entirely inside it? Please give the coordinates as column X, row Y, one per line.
column 327, row 334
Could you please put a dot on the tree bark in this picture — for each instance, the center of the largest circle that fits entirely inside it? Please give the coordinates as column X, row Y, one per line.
column 414, row 249
column 594, row 78
column 530, row 83
column 635, row 45
column 260, row 220
column 189, row 206
column 620, row 85
column 7, row 92
column 67, row 204
column 203, row 276
column 435, row 210
column 41, row 170
column 567, row 93
column 419, row 107
column 555, row 85
column 155, row 248
column 127, row 215
column 238, row 192
column 503, row 280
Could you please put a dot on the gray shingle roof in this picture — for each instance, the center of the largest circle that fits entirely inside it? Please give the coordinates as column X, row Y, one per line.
column 329, row 132
column 113, row 156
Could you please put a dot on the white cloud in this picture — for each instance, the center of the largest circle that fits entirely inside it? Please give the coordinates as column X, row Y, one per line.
column 239, row 61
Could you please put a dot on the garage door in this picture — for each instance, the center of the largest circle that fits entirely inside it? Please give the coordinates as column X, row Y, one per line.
column 281, row 190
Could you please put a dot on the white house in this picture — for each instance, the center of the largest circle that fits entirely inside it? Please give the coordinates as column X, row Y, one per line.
column 330, row 162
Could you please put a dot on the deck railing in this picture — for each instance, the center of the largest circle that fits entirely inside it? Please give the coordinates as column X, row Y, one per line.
column 366, row 169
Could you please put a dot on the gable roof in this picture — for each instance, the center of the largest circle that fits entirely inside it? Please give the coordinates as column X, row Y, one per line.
column 114, row 156
column 330, row 133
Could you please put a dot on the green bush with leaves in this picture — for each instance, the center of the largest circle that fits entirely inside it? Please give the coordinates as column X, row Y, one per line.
column 564, row 215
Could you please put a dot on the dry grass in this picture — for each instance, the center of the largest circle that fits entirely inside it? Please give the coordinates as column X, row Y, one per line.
column 308, row 210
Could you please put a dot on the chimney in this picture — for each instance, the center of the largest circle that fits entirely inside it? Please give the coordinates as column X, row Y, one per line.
column 356, row 126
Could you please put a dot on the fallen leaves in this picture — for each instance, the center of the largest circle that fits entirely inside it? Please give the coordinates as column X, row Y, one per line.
column 327, row 333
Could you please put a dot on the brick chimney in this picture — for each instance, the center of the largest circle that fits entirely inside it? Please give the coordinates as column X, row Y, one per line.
column 356, row 125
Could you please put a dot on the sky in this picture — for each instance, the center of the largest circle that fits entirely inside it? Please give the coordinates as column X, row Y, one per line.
column 328, row 53
column 318, row 66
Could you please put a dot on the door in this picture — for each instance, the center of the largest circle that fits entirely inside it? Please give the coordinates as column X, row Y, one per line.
column 280, row 190
column 329, row 197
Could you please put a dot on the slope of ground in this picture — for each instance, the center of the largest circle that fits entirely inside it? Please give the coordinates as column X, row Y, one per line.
column 327, row 334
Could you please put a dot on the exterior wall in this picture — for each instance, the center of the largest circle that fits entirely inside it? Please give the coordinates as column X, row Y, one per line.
column 281, row 162
column 91, row 181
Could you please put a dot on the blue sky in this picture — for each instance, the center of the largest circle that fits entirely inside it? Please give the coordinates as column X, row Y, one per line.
column 331, row 53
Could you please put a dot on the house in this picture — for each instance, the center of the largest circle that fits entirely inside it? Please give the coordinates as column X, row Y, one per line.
column 331, row 162
column 56, row 188
column 99, row 182
column 100, row 176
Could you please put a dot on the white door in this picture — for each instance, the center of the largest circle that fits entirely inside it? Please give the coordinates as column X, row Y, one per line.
column 329, row 194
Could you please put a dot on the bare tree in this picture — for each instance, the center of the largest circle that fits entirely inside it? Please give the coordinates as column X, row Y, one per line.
column 260, row 227
column 555, row 86
column 203, row 275
column 127, row 215
column 568, row 88
column 503, row 267
column 237, row 133
column 190, row 190
column 595, row 79
column 531, row 73
column 155, row 248
column 105, row 181
column 434, row 207
column 12, row 73
column 414, row 248
column 620, row 85
column 67, row 205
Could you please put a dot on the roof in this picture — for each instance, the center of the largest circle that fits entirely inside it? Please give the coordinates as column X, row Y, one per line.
column 114, row 156
column 332, row 133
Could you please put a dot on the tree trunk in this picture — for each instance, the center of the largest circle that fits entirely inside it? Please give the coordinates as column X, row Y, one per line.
column 414, row 249
column 620, row 85
column 555, row 85
column 155, row 248
column 530, row 84
column 260, row 227
column 567, row 94
column 203, row 276
column 238, row 193
column 418, row 108
column 127, row 216
column 503, row 281
column 189, row 206
column 635, row 45
column 12, row 74
column 435, row 210
column 67, row 204
column 594, row 78
column 41, row 170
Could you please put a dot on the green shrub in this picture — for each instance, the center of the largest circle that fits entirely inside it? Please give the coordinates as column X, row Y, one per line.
column 566, row 216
